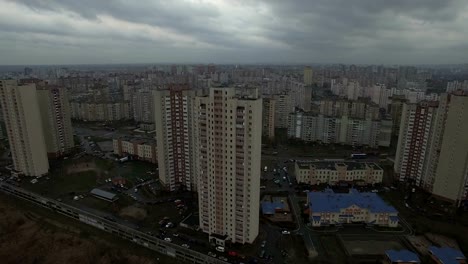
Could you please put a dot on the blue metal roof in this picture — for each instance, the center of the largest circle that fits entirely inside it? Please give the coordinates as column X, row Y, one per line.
column 402, row 256
column 447, row 255
column 271, row 207
column 328, row 201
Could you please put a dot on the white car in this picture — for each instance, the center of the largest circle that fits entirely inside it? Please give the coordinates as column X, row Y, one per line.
column 168, row 239
column 285, row 232
column 185, row 246
column 220, row 248
column 33, row 181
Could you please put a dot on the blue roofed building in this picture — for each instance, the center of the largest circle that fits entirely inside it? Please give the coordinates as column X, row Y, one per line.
column 270, row 208
column 446, row 255
column 329, row 208
column 401, row 256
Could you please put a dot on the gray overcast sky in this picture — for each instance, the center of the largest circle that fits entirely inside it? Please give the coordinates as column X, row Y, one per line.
column 233, row 31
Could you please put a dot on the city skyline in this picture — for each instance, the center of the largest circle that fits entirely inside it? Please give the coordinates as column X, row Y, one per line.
column 367, row 32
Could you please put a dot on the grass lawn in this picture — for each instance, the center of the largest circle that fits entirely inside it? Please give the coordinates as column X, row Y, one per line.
column 62, row 184
column 104, row 164
column 135, row 169
column 333, row 249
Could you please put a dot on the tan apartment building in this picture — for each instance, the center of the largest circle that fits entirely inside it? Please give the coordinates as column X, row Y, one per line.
column 308, row 75
column 227, row 144
column 141, row 149
column 283, row 106
column 56, row 119
column 432, row 150
column 332, row 173
column 396, row 110
column 268, row 119
column 451, row 176
column 24, row 127
column 173, row 119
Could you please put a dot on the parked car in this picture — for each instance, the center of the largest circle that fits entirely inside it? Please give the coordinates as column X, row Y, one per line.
column 285, row 232
column 168, row 239
column 211, row 254
column 220, row 248
column 185, row 246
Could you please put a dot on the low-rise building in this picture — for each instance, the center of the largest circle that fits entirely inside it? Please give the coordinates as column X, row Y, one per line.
column 332, row 173
column 329, row 208
column 139, row 148
column 444, row 255
column 401, row 257
column 104, row 195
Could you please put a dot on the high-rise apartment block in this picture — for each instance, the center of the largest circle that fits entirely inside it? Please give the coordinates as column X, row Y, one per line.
column 308, row 75
column 396, row 111
column 100, row 111
column 56, row 119
column 283, row 106
column 268, row 120
column 173, row 119
column 457, row 85
column 143, row 106
column 311, row 127
column 22, row 116
column 432, row 150
column 451, row 175
column 227, row 134
column 361, row 108
column 417, row 123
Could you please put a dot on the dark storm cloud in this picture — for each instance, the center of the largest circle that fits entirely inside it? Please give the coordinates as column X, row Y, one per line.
column 360, row 31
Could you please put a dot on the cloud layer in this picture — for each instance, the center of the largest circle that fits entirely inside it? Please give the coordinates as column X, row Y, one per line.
column 233, row 31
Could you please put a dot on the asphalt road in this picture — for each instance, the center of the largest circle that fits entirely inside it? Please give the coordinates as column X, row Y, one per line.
column 287, row 180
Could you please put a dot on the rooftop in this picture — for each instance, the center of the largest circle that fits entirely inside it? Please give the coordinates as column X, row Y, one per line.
column 271, row 207
column 137, row 140
column 103, row 194
column 447, row 255
column 402, row 256
column 351, row 165
column 328, row 201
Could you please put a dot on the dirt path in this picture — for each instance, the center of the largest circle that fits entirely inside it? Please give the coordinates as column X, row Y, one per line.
column 82, row 167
